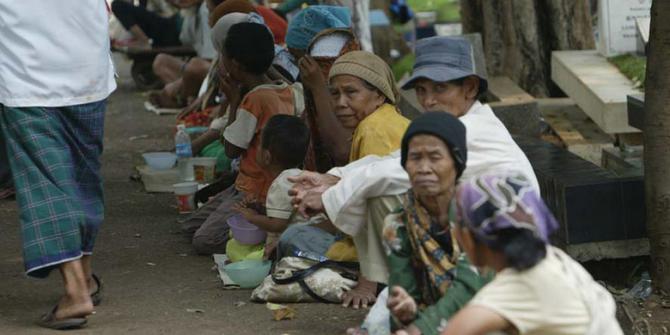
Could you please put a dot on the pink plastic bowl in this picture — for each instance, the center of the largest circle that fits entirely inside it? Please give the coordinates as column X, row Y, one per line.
column 244, row 231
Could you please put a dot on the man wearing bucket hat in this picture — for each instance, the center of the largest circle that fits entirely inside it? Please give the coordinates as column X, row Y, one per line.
column 445, row 79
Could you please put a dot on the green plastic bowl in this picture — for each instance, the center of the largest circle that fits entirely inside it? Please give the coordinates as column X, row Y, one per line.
column 248, row 274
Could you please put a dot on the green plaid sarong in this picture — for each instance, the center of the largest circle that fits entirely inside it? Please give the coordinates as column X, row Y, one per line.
column 54, row 158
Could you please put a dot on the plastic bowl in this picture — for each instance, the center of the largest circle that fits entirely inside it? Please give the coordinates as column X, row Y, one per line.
column 160, row 160
column 248, row 274
column 244, row 231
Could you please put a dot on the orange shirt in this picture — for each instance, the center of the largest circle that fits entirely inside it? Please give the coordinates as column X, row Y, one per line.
column 256, row 108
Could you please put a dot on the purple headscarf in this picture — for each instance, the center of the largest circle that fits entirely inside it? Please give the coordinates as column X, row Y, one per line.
column 490, row 203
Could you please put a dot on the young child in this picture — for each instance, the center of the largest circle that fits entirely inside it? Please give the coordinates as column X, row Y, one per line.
column 284, row 143
column 247, row 55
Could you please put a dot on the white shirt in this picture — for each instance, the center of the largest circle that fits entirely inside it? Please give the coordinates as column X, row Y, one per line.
column 54, row 53
column 556, row 296
column 490, row 149
column 195, row 32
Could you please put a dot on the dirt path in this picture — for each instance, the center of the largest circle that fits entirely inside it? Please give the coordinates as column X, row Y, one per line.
column 150, row 273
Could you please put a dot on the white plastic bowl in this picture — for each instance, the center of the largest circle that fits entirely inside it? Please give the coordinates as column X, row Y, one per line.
column 160, row 160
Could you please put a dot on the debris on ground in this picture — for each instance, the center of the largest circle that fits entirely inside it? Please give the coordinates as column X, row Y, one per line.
column 195, row 310
column 281, row 312
column 139, row 137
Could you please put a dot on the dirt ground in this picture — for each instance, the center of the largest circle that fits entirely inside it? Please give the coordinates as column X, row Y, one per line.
column 150, row 273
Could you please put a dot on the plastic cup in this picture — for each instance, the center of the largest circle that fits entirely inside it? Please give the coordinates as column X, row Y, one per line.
column 203, row 169
column 185, row 195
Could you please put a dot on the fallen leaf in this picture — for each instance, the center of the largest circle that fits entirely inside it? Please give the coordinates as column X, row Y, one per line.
column 281, row 312
column 138, row 235
column 134, row 138
column 151, row 264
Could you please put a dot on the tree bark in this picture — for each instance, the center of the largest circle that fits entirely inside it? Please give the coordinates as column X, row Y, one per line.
column 657, row 144
column 519, row 36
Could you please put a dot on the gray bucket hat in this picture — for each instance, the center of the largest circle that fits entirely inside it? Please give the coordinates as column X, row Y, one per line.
column 442, row 59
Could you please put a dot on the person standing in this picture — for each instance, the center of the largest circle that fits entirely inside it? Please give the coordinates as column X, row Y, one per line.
column 55, row 76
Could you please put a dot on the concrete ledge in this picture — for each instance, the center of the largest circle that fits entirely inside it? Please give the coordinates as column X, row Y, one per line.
column 608, row 250
column 597, row 87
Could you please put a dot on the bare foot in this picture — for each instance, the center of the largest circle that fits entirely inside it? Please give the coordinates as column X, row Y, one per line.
column 161, row 99
column 363, row 295
column 74, row 307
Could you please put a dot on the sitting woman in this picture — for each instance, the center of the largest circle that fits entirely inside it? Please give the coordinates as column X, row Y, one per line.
column 364, row 93
column 330, row 141
column 538, row 289
column 429, row 278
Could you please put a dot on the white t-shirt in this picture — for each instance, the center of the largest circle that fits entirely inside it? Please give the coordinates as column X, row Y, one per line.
column 195, row 31
column 547, row 298
column 54, row 53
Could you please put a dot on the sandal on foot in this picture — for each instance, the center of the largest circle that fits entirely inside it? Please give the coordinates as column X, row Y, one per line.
column 96, row 297
column 49, row 321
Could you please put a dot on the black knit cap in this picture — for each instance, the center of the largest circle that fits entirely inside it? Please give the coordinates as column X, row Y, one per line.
column 444, row 126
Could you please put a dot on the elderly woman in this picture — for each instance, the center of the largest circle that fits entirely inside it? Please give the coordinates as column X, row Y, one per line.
column 538, row 289
column 364, row 93
column 424, row 259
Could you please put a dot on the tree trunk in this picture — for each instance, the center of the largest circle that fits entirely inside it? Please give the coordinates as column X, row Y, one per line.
column 657, row 144
column 519, row 36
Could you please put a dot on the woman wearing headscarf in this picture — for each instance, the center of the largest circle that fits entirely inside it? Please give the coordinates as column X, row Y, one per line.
column 330, row 141
column 364, row 94
column 504, row 225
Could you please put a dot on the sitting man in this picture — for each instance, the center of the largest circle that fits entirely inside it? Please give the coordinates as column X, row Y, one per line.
column 182, row 78
column 359, row 196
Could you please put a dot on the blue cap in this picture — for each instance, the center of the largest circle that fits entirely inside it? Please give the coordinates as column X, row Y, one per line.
column 312, row 20
column 443, row 59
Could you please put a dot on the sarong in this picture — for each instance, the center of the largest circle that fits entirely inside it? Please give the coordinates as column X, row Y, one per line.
column 54, row 156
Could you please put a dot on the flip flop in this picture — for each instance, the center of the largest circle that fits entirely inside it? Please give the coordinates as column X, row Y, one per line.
column 49, row 321
column 96, row 297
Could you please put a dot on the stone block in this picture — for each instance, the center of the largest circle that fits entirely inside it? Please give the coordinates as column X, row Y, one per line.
column 591, row 204
column 597, row 87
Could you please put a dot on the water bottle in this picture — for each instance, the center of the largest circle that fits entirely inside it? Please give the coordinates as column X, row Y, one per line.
column 642, row 290
column 184, row 153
